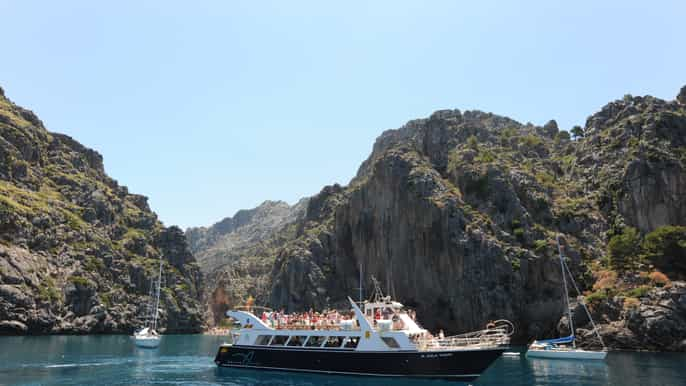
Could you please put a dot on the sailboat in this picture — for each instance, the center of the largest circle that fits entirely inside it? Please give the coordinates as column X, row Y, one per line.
column 565, row 347
column 147, row 337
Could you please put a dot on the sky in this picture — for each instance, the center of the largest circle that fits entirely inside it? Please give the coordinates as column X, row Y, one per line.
column 208, row 107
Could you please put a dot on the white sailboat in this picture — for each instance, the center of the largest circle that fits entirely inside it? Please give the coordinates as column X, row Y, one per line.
column 147, row 337
column 565, row 347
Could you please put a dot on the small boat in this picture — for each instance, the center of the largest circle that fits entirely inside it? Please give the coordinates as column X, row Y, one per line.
column 364, row 344
column 565, row 347
column 147, row 337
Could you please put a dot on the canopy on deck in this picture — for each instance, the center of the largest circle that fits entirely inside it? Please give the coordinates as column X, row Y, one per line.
column 566, row 339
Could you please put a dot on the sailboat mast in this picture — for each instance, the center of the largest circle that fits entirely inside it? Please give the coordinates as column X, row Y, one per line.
column 583, row 304
column 565, row 295
column 157, row 297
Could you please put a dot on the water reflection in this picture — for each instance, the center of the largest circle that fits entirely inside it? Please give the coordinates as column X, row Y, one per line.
column 647, row 368
column 568, row 371
column 276, row 378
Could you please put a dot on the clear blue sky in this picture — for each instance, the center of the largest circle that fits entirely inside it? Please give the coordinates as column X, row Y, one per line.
column 210, row 107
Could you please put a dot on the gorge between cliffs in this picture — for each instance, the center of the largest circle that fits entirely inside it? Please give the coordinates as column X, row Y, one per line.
column 456, row 214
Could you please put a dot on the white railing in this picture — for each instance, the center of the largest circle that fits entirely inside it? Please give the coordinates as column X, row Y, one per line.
column 497, row 334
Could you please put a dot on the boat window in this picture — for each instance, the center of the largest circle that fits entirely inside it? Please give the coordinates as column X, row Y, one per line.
column 279, row 340
column 315, row 341
column 263, row 340
column 351, row 342
column 390, row 342
column 296, row 341
column 334, row 341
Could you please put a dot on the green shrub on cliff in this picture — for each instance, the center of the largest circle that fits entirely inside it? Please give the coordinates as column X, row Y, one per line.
column 530, row 141
column 472, row 142
column 93, row 264
column 48, row 291
column 665, row 247
column 577, row 132
column 624, row 250
column 561, row 136
column 80, row 280
column 638, row 292
column 598, row 297
column 485, row 156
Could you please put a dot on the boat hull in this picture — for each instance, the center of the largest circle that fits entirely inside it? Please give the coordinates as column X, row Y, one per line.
column 147, row 342
column 459, row 365
column 566, row 354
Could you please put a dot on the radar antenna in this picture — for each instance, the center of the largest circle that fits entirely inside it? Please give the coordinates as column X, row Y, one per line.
column 378, row 294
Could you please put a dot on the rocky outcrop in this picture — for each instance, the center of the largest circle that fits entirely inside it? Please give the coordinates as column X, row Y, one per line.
column 681, row 98
column 228, row 239
column 77, row 250
column 657, row 323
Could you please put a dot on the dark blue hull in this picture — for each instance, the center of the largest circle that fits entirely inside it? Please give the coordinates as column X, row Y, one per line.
column 459, row 365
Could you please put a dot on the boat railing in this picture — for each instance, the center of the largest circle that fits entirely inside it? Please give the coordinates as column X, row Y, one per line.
column 300, row 326
column 496, row 334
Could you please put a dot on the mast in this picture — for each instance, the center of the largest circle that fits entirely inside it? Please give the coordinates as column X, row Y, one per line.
column 361, row 283
column 149, row 312
column 583, row 304
column 565, row 295
column 157, row 297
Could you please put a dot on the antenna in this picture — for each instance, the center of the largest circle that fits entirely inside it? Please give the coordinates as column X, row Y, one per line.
column 378, row 294
column 565, row 292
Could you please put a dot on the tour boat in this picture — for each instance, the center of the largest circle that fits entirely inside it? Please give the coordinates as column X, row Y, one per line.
column 364, row 345
column 565, row 347
column 147, row 337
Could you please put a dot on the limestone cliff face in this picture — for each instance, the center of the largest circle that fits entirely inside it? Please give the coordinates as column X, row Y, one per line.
column 413, row 219
column 77, row 250
column 229, row 238
column 640, row 143
column 235, row 253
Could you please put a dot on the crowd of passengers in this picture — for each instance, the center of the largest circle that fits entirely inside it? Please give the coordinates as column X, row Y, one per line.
column 328, row 319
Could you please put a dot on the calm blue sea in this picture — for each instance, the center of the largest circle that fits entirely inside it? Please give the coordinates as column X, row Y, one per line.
column 187, row 360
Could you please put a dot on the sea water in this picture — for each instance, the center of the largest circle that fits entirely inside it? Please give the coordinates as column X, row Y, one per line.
column 188, row 360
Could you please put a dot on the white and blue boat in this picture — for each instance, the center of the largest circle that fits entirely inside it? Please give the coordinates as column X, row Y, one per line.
column 565, row 347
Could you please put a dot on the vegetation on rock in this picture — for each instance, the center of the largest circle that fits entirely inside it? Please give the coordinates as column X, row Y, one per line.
column 77, row 250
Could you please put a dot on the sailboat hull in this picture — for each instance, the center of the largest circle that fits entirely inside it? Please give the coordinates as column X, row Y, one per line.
column 566, row 354
column 147, row 342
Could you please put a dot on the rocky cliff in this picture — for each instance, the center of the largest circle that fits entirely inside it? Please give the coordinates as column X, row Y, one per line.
column 457, row 214
column 236, row 254
column 229, row 239
column 77, row 250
